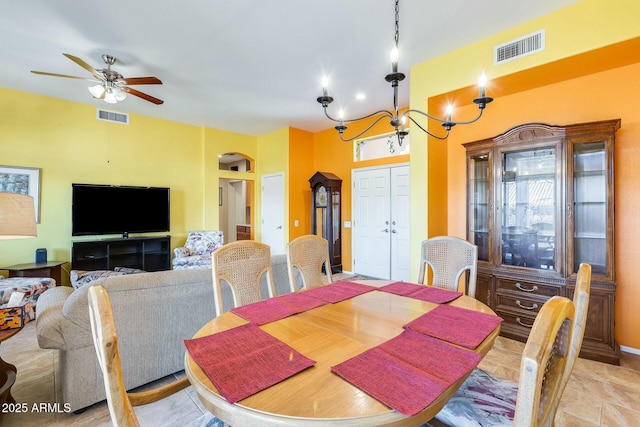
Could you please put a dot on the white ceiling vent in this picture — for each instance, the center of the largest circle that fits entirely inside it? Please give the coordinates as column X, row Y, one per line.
column 518, row 48
column 112, row 116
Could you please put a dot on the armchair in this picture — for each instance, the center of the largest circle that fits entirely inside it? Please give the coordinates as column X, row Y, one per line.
column 196, row 252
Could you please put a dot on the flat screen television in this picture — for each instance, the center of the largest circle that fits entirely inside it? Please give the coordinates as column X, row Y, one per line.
column 109, row 209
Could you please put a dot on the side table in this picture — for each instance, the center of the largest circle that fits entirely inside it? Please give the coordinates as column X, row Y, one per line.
column 51, row 269
column 8, row 372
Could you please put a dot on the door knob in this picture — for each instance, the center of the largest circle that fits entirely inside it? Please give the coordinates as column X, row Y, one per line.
column 386, row 230
column 279, row 227
column 394, row 231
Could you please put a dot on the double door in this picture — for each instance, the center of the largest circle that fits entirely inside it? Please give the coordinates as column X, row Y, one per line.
column 380, row 212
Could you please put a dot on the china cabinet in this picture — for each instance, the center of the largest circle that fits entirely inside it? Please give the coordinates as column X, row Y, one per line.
column 539, row 203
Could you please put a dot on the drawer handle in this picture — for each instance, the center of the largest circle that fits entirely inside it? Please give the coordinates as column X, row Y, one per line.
column 519, row 286
column 526, row 307
column 523, row 324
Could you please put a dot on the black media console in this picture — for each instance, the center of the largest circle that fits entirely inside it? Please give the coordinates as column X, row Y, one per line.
column 145, row 253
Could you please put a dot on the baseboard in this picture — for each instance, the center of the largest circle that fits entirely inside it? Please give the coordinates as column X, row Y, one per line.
column 630, row 350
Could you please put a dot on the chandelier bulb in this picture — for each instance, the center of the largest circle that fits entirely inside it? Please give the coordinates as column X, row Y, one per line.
column 449, row 110
column 395, row 54
column 482, row 82
column 325, row 86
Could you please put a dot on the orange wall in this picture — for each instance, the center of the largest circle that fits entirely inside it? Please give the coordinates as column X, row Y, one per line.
column 603, row 95
column 333, row 155
column 301, row 168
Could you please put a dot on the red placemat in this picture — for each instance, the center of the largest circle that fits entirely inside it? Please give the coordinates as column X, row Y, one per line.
column 245, row 360
column 272, row 309
column 339, row 291
column 456, row 325
column 408, row 372
column 421, row 292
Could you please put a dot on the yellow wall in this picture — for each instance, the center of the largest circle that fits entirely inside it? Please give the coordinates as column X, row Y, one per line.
column 217, row 142
column 273, row 154
column 556, row 86
column 66, row 141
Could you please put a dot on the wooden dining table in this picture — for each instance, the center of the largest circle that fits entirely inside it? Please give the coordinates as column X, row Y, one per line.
column 329, row 334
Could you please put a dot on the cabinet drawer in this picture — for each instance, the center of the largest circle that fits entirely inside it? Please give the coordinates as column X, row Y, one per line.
column 522, row 322
column 523, row 302
column 527, row 288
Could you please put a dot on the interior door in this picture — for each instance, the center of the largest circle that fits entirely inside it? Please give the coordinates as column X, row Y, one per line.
column 400, row 223
column 371, row 223
column 273, row 205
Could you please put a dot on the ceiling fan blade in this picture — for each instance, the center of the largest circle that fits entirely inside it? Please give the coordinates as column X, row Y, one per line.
column 141, row 80
column 86, row 66
column 142, row 95
column 58, row 75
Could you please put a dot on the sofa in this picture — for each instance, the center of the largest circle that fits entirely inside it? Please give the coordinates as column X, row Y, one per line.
column 196, row 252
column 153, row 313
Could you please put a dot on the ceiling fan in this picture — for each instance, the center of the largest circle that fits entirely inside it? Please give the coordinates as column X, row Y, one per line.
column 112, row 86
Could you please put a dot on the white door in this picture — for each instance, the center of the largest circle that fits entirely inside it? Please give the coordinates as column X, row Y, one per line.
column 371, row 224
column 273, row 205
column 381, row 222
column 400, row 223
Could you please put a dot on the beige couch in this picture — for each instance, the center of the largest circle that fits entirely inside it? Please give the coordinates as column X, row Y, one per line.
column 153, row 312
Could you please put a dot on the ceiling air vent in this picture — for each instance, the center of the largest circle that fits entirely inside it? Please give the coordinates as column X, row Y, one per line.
column 518, row 48
column 112, row 116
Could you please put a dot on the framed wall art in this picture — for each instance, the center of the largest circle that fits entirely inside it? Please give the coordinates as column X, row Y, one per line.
column 22, row 180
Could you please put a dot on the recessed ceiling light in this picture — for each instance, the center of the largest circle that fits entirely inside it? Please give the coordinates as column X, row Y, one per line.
column 360, row 96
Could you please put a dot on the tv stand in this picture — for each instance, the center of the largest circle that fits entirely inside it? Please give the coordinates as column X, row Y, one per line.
column 145, row 253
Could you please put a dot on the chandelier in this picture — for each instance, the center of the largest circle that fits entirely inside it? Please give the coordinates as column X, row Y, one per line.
column 397, row 120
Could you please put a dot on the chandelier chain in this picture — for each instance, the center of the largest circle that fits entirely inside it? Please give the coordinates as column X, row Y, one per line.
column 397, row 35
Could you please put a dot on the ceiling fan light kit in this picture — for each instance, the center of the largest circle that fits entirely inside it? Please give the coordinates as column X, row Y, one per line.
column 112, row 86
column 396, row 120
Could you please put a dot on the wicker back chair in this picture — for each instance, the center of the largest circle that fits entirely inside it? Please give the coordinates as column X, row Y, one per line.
column 241, row 264
column 105, row 341
column 581, row 303
column 308, row 254
column 449, row 257
column 534, row 400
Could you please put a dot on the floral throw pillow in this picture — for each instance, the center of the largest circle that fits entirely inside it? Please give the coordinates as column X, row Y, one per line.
column 203, row 242
column 80, row 278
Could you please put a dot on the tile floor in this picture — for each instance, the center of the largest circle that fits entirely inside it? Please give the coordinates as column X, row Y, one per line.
column 598, row 394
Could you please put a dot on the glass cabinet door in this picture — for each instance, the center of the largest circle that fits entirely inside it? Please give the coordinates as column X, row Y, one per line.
column 590, row 207
column 528, row 220
column 479, row 209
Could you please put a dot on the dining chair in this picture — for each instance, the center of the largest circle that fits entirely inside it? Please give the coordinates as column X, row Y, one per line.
column 241, row 264
column 449, row 257
column 581, row 296
column 485, row 400
column 308, row 254
column 105, row 341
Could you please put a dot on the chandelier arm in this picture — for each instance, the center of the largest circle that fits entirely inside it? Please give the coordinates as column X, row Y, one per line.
column 470, row 121
column 384, row 113
column 442, row 138
column 363, row 132
column 441, row 120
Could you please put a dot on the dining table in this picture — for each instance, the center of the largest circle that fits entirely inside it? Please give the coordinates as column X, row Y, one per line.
column 330, row 335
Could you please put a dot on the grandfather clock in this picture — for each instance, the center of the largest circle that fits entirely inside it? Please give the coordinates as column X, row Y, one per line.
column 325, row 214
